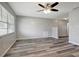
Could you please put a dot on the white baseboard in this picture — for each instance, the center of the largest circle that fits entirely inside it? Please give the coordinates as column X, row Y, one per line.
column 74, row 43
column 32, row 38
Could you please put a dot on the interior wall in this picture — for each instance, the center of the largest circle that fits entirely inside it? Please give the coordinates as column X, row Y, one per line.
column 6, row 41
column 30, row 27
column 74, row 26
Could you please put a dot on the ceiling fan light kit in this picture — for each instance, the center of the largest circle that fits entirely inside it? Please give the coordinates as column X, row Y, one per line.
column 46, row 11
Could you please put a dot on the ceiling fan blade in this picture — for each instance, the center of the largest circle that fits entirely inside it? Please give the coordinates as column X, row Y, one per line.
column 41, row 5
column 56, row 3
column 54, row 10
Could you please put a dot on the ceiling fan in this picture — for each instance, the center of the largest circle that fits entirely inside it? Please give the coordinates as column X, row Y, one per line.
column 49, row 7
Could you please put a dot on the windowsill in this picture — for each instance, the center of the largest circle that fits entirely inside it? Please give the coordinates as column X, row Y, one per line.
column 7, row 34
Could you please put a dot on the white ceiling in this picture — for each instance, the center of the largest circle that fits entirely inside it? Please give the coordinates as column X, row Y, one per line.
column 30, row 9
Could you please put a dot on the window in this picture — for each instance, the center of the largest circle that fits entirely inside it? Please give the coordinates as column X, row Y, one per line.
column 10, row 23
column 6, row 22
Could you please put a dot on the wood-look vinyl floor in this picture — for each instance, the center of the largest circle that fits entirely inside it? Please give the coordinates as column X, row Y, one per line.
column 43, row 47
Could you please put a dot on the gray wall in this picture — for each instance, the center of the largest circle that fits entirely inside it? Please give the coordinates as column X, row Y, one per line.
column 7, row 41
column 30, row 27
column 74, row 26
